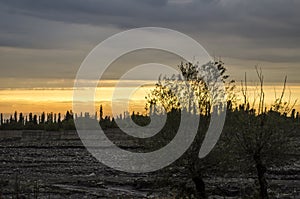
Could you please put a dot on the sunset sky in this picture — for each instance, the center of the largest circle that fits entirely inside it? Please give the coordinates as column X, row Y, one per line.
column 43, row 42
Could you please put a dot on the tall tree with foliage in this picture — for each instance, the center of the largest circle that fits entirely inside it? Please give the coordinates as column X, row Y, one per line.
column 195, row 97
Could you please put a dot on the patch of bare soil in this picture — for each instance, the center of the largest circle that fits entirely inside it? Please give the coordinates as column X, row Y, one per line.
column 34, row 166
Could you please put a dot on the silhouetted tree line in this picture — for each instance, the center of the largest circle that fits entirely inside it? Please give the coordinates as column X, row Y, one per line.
column 44, row 121
column 57, row 121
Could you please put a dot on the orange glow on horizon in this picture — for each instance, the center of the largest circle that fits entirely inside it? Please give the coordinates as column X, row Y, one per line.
column 60, row 99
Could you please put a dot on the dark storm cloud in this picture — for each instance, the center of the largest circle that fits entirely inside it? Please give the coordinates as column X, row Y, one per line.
column 262, row 13
column 263, row 30
column 273, row 21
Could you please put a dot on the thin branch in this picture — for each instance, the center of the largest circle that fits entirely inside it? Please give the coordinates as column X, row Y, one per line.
column 283, row 90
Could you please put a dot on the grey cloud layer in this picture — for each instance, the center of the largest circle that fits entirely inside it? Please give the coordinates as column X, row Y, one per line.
column 266, row 30
column 273, row 21
column 277, row 14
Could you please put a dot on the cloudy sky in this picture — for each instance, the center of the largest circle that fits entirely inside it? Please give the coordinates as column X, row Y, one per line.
column 43, row 42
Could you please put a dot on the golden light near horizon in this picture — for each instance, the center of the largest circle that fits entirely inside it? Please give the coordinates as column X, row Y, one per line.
column 60, row 99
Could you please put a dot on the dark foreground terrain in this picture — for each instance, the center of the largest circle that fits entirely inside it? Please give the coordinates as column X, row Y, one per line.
column 56, row 165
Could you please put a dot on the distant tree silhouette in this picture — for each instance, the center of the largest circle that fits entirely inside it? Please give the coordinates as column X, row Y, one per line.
column 43, row 118
column 30, row 118
column 16, row 116
column 59, row 118
column 101, row 112
column 68, row 122
column 69, row 116
column 11, row 120
column 21, row 119
column 35, row 120
column 1, row 119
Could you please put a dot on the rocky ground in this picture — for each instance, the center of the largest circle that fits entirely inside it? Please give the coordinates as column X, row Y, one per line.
column 60, row 167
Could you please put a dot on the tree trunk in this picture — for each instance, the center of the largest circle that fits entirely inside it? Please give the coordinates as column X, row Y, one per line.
column 200, row 187
column 261, row 170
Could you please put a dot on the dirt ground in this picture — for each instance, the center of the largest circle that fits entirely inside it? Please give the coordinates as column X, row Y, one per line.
column 38, row 165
